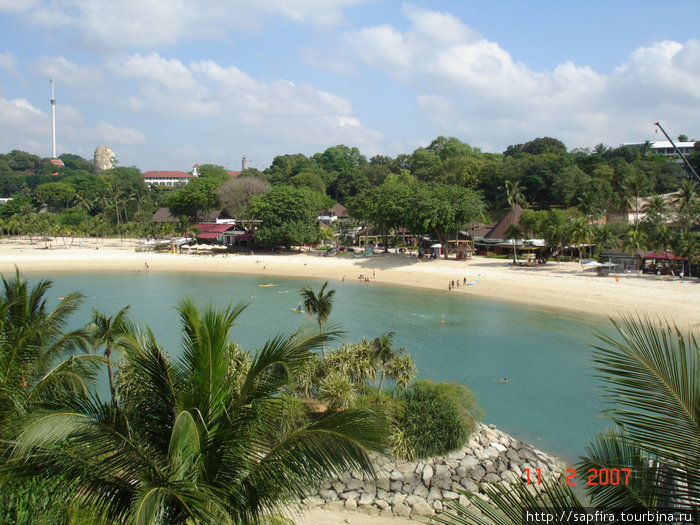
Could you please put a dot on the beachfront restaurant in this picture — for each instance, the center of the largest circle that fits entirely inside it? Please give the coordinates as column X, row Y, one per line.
column 663, row 263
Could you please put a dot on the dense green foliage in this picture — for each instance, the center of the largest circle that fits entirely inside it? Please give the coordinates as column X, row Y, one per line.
column 436, row 190
column 436, row 417
column 206, row 438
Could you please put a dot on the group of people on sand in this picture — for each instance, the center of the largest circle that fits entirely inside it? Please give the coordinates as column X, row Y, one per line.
column 363, row 278
column 454, row 283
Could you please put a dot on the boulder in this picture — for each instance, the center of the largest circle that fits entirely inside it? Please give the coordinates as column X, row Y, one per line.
column 422, row 508
column 427, row 474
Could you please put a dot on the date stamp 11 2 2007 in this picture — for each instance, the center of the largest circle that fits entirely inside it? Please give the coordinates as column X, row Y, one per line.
column 595, row 476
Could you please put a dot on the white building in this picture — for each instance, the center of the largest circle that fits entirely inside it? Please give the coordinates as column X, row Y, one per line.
column 166, row 178
column 665, row 148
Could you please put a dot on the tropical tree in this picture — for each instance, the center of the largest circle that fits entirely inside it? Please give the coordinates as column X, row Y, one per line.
column 651, row 376
column 392, row 361
column 319, row 304
column 687, row 245
column 108, row 331
column 514, row 233
column 36, row 354
column 197, row 440
column 686, row 202
column 604, row 237
column 515, row 196
column 634, row 241
column 656, row 209
column 580, row 232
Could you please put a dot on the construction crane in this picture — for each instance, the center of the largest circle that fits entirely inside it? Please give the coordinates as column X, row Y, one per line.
column 697, row 178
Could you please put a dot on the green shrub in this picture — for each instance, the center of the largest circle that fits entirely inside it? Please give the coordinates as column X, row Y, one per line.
column 434, row 418
column 293, row 416
column 491, row 255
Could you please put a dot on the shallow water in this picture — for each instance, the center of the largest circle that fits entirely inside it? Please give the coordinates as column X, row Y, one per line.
column 549, row 399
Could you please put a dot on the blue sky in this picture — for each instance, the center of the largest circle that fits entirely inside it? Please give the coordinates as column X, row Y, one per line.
column 168, row 84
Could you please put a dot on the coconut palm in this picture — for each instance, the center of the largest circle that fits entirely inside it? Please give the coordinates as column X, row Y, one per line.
column 390, row 360
column 514, row 233
column 651, row 376
column 604, row 238
column 107, row 331
column 196, row 440
column 36, row 354
column 686, row 203
column 319, row 305
column 656, row 209
column 514, row 196
column 634, row 240
column 636, row 184
column 687, row 245
column 580, row 232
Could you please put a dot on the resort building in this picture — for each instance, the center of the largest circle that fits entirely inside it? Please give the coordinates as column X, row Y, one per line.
column 175, row 178
column 166, row 178
column 665, row 148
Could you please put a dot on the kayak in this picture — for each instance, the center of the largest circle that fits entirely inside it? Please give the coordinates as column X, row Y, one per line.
column 297, row 310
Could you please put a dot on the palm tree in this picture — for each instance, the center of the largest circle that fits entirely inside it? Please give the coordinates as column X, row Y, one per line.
column 36, row 355
column 686, row 203
column 319, row 305
column 636, row 185
column 687, row 245
column 580, row 232
column 514, row 232
column 197, row 440
column 514, row 196
column 651, row 375
column 392, row 362
column 107, row 331
column 604, row 237
column 634, row 241
column 656, row 209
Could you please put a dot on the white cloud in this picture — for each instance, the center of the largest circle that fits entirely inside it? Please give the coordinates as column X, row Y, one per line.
column 19, row 114
column 18, row 5
column 472, row 87
column 106, row 24
column 68, row 73
column 8, row 62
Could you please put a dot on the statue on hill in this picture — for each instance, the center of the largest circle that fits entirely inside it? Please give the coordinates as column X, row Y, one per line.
column 104, row 158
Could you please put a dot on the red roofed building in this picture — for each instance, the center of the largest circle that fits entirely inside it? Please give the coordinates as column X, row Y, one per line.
column 166, row 178
column 227, row 234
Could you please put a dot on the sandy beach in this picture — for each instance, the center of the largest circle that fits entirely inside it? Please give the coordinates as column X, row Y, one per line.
column 557, row 286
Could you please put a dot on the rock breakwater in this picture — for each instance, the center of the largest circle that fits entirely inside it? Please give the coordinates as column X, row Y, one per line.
column 419, row 488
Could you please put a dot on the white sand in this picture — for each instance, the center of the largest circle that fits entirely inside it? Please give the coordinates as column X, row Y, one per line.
column 558, row 286
column 562, row 286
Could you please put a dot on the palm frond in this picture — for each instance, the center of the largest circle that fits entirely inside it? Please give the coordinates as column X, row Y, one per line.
column 640, row 482
column 652, row 376
column 509, row 504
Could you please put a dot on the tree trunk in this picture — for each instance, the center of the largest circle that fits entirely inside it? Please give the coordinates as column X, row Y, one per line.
column 381, row 383
column 323, row 345
column 110, row 373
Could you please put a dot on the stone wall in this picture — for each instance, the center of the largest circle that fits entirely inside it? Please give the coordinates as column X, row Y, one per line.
column 419, row 488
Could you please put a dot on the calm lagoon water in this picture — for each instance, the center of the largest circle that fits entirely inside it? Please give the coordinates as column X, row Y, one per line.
column 549, row 399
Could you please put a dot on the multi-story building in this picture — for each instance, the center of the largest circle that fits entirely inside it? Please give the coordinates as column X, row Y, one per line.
column 665, row 148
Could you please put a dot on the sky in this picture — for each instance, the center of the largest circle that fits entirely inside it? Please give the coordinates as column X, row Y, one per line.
column 172, row 83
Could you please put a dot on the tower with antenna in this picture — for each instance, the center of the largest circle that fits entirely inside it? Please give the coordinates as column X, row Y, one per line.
column 53, row 120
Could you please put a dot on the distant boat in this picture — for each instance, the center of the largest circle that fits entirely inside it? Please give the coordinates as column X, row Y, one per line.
column 298, row 310
column 265, row 285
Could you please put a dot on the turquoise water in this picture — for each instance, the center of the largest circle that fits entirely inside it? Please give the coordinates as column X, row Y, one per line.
column 549, row 399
